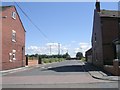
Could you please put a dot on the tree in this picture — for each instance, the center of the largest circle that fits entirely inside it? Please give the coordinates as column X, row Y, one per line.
column 79, row 55
column 66, row 55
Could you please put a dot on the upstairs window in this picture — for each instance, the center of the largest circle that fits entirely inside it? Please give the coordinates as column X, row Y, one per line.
column 14, row 15
column 13, row 36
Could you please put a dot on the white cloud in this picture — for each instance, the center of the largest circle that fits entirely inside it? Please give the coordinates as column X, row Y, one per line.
column 46, row 49
column 35, row 49
column 77, row 50
column 82, row 47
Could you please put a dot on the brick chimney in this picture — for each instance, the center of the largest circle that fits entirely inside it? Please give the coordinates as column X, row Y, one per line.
column 97, row 5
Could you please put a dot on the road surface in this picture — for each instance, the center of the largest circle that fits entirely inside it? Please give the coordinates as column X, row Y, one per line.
column 66, row 74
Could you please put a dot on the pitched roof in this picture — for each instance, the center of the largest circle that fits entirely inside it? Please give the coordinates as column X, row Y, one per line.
column 2, row 8
column 109, row 13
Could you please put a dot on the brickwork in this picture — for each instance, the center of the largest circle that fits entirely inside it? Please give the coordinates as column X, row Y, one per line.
column 88, row 55
column 105, row 31
column 9, row 24
column 114, row 69
column 109, row 34
column 32, row 62
column 97, row 52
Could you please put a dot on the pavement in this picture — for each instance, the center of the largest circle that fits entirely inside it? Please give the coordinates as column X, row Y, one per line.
column 98, row 73
column 92, row 70
column 5, row 72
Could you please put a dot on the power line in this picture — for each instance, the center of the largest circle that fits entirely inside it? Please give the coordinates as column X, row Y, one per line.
column 31, row 21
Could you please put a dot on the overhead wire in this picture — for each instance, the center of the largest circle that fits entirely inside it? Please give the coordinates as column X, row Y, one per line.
column 45, row 36
column 33, row 22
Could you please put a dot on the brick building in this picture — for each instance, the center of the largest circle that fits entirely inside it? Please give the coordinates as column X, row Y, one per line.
column 13, row 39
column 88, row 55
column 106, row 31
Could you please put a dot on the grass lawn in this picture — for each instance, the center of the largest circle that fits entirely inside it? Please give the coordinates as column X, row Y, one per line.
column 50, row 60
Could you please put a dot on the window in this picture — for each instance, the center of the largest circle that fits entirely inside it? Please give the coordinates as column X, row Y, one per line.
column 10, row 57
column 14, row 15
column 95, row 37
column 13, row 36
column 14, row 55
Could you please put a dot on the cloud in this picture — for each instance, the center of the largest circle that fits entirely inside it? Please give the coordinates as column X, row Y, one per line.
column 36, row 49
column 77, row 50
column 53, row 47
column 82, row 47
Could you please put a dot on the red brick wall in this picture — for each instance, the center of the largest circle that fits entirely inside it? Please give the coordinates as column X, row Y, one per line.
column 97, row 53
column 0, row 41
column 88, row 55
column 9, row 24
column 114, row 69
column 32, row 62
column 105, row 30
column 109, row 33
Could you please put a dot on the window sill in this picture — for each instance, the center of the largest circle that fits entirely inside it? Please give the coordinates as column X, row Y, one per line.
column 13, row 18
column 10, row 60
column 13, row 41
column 14, row 58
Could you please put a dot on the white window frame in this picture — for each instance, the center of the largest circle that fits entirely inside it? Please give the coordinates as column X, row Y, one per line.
column 13, row 35
column 10, row 57
column 14, row 15
column 13, row 54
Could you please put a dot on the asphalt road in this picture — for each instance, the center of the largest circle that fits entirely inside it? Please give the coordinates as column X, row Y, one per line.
column 66, row 74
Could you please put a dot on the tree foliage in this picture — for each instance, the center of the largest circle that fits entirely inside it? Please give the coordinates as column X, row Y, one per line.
column 66, row 55
column 79, row 55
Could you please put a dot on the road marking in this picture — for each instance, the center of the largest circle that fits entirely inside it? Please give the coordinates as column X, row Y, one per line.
column 49, row 67
column 43, row 67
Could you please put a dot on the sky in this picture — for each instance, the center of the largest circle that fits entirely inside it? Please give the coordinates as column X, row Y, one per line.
column 66, row 23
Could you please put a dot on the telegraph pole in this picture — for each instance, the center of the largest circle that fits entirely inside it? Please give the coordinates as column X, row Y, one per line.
column 58, row 48
column 50, row 49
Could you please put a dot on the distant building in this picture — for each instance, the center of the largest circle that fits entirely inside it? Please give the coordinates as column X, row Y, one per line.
column 106, row 31
column 88, row 55
column 13, row 39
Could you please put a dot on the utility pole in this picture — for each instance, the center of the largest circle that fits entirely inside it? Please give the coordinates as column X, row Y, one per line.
column 58, row 48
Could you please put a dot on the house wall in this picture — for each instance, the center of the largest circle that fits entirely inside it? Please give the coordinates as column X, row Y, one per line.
column 97, row 53
column 113, row 69
column 88, row 55
column 109, row 33
column 9, row 24
column 0, row 42
column 89, row 58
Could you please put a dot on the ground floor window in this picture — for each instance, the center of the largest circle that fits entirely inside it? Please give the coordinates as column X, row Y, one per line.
column 10, row 57
column 14, row 54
